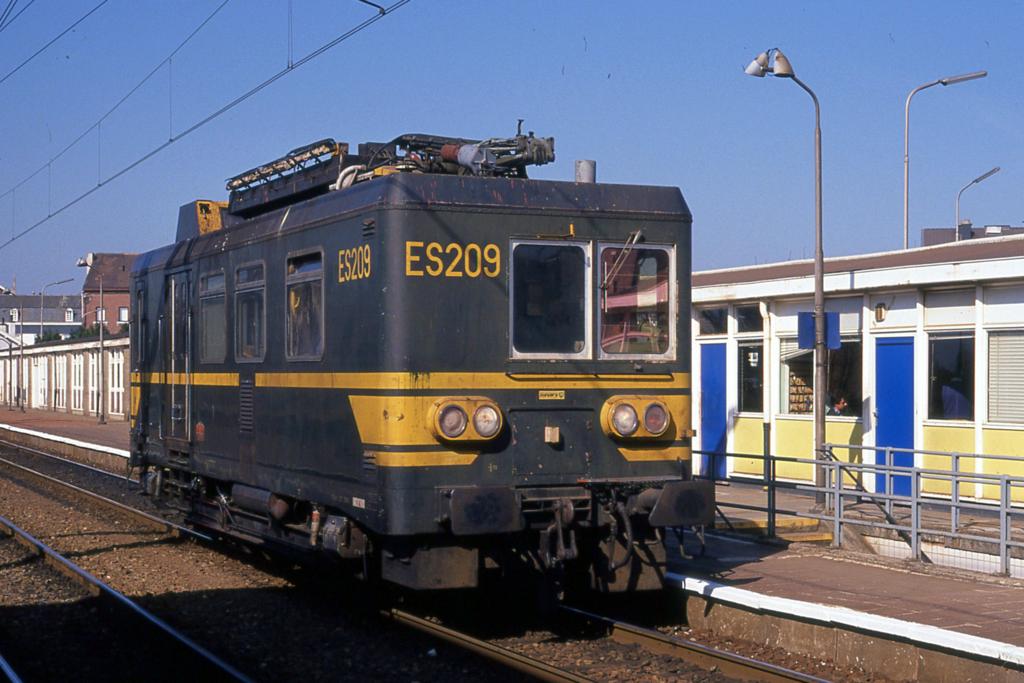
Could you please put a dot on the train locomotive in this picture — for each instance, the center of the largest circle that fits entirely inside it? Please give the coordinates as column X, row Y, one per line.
column 416, row 358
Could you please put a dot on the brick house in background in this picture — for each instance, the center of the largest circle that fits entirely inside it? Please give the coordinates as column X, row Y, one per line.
column 114, row 271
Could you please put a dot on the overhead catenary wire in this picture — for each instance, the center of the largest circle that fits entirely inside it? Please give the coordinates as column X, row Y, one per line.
column 99, row 122
column 7, row 11
column 52, row 41
column 207, row 119
column 6, row 24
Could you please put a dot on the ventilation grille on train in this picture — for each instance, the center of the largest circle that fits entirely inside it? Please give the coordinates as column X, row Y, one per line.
column 245, row 406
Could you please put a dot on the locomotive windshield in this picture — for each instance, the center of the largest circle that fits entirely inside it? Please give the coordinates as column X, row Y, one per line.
column 549, row 299
column 635, row 301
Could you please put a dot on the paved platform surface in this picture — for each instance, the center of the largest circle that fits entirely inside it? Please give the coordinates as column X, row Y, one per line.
column 82, row 427
column 971, row 604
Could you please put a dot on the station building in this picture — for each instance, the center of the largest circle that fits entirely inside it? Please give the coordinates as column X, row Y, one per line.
column 931, row 359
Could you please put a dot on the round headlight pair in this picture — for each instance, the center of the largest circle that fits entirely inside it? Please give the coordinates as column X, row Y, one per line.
column 625, row 421
column 453, row 421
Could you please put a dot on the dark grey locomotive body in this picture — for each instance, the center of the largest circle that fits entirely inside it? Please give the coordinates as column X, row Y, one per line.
column 428, row 373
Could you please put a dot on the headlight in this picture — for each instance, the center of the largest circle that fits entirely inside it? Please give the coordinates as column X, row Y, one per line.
column 624, row 419
column 486, row 421
column 656, row 419
column 452, row 421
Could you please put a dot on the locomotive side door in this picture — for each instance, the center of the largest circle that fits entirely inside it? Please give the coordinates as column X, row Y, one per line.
column 177, row 339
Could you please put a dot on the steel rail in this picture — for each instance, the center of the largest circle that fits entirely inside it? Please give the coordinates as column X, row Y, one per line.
column 66, row 461
column 98, row 588
column 513, row 660
column 159, row 523
column 703, row 656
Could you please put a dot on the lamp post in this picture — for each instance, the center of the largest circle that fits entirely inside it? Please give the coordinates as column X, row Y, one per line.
column 776, row 63
column 43, row 291
column 88, row 262
column 983, row 176
column 948, row 80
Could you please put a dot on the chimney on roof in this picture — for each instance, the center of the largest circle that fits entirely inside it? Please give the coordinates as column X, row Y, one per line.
column 965, row 230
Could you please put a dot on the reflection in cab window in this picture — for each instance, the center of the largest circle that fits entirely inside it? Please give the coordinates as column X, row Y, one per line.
column 304, row 279
column 635, row 306
column 549, row 299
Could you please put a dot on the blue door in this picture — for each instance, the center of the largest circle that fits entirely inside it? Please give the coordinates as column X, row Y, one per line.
column 712, row 408
column 894, row 406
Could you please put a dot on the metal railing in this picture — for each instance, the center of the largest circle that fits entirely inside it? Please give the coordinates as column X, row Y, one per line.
column 921, row 510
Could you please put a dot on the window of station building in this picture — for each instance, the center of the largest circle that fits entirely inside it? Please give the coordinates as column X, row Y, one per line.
column 14, row 315
column 1006, row 376
column 304, row 326
column 550, row 300
column 748, row 319
column 69, row 315
column 250, row 327
column 951, row 377
column 212, row 318
column 713, row 320
column 844, row 393
column 636, row 301
column 751, row 377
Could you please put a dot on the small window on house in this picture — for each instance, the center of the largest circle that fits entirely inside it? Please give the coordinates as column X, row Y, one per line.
column 751, row 377
column 122, row 314
column 951, row 377
column 748, row 319
column 249, row 313
column 212, row 318
column 101, row 315
column 713, row 320
column 304, row 331
column 69, row 315
column 1006, row 376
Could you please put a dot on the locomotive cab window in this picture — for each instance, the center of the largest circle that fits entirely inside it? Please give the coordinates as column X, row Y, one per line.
column 250, row 327
column 212, row 321
column 550, row 302
column 304, row 332
column 637, row 302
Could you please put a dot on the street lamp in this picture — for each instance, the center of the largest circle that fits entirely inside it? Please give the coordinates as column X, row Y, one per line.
column 988, row 174
column 775, row 63
column 948, row 80
column 43, row 291
column 87, row 262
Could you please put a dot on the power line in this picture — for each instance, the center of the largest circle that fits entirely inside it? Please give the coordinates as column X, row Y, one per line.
column 224, row 109
column 4, row 25
column 7, row 11
column 54, row 40
column 96, row 124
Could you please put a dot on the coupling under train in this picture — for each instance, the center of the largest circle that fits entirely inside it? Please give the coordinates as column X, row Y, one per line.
column 416, row 358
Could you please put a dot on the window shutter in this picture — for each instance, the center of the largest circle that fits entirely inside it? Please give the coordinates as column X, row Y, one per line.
column 1006, row 376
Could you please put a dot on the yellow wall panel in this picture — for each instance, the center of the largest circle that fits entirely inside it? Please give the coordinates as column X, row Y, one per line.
column 960, row 439
column 794, row 439
column 748, row 437
column 1002, row 442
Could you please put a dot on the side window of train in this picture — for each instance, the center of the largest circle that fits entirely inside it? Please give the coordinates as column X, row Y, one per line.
column 304, row 318
column 637, row 301
column 212, row 320
column 550, row 299
column 139, row 352
column 250, row 318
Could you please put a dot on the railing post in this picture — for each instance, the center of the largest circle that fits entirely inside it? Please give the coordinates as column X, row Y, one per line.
column 888, row 480
column 915, row 526
column 954, row 517
column 837, row 507
column 1004, row 525
column 770, row 462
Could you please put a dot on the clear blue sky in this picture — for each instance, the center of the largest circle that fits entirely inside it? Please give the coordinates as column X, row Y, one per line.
column 655, row 92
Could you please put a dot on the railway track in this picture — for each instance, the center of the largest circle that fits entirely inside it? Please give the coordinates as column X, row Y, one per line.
column 728, row 665
column 175, row 655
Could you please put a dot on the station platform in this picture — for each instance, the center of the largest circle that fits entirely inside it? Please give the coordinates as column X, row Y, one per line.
column 817, row 600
